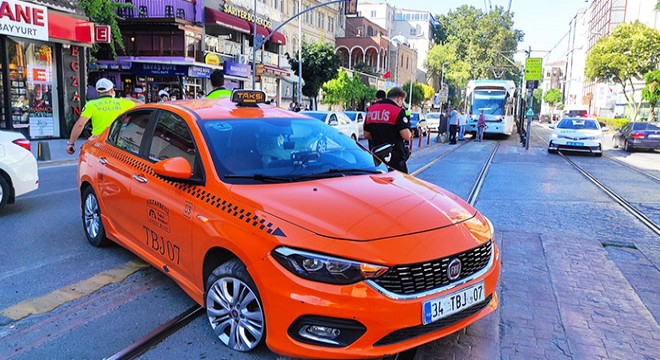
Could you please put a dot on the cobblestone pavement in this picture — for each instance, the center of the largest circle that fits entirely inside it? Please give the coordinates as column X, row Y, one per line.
column 579, row 275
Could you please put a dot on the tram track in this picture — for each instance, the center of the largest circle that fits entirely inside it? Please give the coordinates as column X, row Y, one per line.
column 635, row 212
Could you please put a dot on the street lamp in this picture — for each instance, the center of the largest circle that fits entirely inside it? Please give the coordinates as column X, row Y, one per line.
column 442, row 75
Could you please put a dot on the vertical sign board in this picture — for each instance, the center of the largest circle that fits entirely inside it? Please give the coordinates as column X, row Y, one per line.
column 23, row 19
column 351, row 7
column 533, row 69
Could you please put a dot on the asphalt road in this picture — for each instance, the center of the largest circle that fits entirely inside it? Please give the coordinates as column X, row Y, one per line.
column 577, row 281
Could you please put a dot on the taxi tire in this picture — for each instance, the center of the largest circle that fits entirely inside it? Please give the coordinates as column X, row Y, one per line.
column 234, row 273
column 5, row 191
column 91, row 208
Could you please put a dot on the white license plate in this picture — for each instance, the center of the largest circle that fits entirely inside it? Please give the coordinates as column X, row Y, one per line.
column 574, row 143
column 443, row 306
column 654, row 136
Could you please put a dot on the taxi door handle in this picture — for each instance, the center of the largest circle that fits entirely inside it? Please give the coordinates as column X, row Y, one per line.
column 140, row 179
column 103, row 161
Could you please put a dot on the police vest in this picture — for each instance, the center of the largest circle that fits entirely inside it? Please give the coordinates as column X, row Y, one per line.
column 219, row 93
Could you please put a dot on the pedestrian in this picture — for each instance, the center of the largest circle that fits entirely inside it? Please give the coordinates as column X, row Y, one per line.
column 481, row 126
column 218, row 83
column 386, row 123
column 462, row 124
column 164, row 95
column 200, row 94
column 102, row 111
column 380, row 96
column 453, row 125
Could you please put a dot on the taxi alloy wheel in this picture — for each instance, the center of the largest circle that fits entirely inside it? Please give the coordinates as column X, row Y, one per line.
column 234, row 308
column 91, row 217
column 4, row 191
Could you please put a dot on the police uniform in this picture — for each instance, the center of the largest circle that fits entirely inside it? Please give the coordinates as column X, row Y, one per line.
column 384, row 120
column 219, row 93
column 104, row 110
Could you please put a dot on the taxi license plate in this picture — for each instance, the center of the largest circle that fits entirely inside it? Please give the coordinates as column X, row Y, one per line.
column 574, row 143
column 443, row 306
column 654, row 136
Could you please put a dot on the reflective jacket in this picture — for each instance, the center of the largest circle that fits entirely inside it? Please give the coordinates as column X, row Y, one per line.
column 219, row 93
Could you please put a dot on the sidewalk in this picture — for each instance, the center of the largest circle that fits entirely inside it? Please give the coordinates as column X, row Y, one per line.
column 53, row 151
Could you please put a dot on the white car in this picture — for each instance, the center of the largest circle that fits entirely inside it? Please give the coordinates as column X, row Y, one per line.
column 576, row 134
column 358, row 117
column 18, row 167
column 433, row 121
column 337, row 120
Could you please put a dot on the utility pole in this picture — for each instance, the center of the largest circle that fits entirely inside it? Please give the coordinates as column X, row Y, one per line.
column 531, row 105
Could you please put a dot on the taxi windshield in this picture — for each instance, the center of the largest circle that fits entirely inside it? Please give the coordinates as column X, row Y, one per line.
column 256, row 151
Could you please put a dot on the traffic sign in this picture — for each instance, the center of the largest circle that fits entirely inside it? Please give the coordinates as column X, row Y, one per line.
column 530, row 112
column 533, row 69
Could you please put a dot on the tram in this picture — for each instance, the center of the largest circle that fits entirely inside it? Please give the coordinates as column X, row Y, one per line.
column 497, row 99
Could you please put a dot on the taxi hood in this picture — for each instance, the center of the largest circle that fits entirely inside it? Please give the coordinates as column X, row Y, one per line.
column 364, row 207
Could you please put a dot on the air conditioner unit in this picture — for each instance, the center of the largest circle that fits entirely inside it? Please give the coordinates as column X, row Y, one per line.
column 241, row 59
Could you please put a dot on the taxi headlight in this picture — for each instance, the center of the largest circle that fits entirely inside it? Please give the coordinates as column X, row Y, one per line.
column 324, row 268
column 554, row 136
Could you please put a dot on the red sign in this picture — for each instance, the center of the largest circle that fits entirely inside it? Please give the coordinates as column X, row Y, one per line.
column 20, row 18
column 102, row 34
column 39, row 74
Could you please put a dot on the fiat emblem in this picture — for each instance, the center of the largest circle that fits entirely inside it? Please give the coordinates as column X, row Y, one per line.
column 454, row 269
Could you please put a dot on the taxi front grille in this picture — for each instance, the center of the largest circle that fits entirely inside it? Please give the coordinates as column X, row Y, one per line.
column 419, row 330
column 417, row 278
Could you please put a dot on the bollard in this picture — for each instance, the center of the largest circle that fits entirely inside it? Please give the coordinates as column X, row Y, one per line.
column 43, row 151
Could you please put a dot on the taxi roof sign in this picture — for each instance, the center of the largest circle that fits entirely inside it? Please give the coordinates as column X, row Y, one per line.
column 248, row 97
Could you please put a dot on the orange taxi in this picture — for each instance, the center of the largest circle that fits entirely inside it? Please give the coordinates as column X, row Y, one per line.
column 288, row 232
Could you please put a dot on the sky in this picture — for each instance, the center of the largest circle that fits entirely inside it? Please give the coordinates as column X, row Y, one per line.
column 544, row 22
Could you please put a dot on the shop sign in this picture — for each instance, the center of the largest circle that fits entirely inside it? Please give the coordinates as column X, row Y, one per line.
column 212, row 59
column 246, row 15
column 102, row 34
column 199, row 72
column 236, row 69
column 23, row 19
column 159, row 69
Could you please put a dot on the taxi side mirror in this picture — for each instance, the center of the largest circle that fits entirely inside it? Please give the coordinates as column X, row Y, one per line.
column 176, row 168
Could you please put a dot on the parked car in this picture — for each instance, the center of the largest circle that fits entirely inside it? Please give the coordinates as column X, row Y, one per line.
column 18, row 167
column 358, row 117
column 637, row 136
column 337, row 120
column 576, row 134
column 418, row 124
column 433, row 121
column 286, row 231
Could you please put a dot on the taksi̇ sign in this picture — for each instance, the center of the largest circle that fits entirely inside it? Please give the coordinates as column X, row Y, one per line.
column 533, row 69
column 23, row 19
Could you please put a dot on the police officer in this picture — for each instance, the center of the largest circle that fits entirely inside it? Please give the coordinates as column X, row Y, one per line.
column 218, row 82
column 387, row 123
column 102, row 111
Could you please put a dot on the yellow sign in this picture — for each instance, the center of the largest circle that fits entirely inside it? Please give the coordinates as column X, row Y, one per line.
column 243, row 97
column 212, row 59
column 533, row 69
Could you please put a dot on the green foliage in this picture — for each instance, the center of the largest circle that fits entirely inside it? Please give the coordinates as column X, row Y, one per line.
column 651, row 92
column 346, row 91
column 417, row 93
column 613, row 123
column 475, row 44
column 364, row 68
column 319, row 65
column 104, row 12
column 629, row 53
column 552, row 97
column 538, row 96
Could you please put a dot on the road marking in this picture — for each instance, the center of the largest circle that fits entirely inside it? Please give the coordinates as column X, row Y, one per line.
column 48, row 302
column 49, row 193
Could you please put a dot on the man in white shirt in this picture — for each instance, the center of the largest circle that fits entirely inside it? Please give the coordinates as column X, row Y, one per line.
column 462, row 124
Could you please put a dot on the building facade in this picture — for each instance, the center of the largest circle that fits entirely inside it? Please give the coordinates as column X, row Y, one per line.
column 42, row 66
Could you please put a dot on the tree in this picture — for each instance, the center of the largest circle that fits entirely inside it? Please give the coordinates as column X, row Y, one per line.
column 319, row 65
column 538, row 96
column 552, row 97
column 346, row 91
column 651, row 92
column 417, row 93
column 105, row 12
column 632, row 51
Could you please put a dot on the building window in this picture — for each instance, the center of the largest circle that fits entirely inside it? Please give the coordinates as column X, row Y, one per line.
column 373, row 13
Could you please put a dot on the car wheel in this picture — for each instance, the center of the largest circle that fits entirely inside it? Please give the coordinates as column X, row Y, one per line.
column 233, row 307
column 4, row 191
column 550, row 151
column 615, row 143
column 91, row 218
column 627, row 147
column 600, row 154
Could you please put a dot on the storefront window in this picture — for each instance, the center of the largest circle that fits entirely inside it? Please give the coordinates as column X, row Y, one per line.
column 32, row 87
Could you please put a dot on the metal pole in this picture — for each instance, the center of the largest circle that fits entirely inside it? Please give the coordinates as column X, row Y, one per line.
column 530, row 104
column 299, row 94
column 254, row 48
column 413, row 70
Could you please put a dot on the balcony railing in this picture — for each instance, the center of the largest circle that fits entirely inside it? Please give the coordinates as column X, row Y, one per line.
column 179, row 9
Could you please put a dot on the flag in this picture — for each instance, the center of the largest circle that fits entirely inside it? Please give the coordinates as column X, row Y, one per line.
column 386, row 75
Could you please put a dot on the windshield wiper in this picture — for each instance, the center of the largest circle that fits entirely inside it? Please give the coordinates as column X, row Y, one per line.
column 261, row 177
column 338, row 173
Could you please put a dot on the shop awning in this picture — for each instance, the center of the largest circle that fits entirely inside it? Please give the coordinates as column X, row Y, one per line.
column 271, row 69
column 64, row 27
column 212, row 16
column 279, row 38
column 260, row 29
